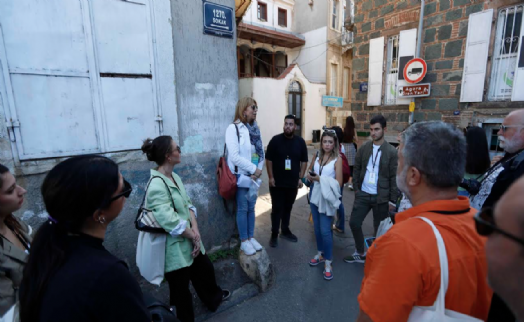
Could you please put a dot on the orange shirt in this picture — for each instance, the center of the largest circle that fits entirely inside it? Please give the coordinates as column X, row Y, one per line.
column 402, row 267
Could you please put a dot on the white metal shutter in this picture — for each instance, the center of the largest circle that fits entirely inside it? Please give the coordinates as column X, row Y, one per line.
column 125, row 57
column 477, row 46
column 407, row 47
column 517, row 94
column 45, row 81
column 376, row 62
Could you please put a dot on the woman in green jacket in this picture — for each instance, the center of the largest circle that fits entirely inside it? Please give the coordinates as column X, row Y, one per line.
column 185, row 254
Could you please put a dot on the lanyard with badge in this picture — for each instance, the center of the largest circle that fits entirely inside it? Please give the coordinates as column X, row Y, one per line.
column 288, row 163
column 372, row 177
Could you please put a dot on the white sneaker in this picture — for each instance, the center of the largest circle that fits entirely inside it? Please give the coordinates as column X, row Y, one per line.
column 256, row 245
column 247, row 248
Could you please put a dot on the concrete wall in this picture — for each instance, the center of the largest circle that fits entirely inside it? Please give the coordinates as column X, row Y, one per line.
column 444, row 41
column 311, row 17
column 204, row 70
column 312, row 58
column 273, row 108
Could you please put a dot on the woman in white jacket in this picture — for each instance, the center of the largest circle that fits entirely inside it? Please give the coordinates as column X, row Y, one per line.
column 245, row 158
column 329, row 166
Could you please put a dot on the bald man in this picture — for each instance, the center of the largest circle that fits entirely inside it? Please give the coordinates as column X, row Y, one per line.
column 498, row 179
column 509, row 168
column 505, row 247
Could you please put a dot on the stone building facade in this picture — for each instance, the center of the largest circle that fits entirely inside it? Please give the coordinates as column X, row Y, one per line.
column 481, row 93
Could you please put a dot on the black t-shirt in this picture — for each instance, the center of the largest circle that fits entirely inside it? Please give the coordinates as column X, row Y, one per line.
column 505, row 179
column 92, row 285
column 281, row 148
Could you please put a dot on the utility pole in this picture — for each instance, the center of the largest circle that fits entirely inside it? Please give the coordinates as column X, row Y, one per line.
column 419, row 46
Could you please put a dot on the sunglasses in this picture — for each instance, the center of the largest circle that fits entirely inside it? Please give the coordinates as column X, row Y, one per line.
column 505, row 127
column 126, row 192
column 178, row 149
column 485, row 225
column 254, row 107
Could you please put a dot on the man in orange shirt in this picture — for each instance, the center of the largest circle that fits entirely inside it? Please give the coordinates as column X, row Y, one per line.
column 402, row 267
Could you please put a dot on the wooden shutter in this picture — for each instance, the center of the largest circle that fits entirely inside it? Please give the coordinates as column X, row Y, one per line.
column 477, row 46
column 376, row 62
column 407, row 47
column 518, row 80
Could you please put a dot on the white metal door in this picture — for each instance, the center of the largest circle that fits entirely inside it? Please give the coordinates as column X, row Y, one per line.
column 76, row 76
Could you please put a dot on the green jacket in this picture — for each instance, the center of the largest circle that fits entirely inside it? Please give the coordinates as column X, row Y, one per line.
column 387, row 172
column 178, row 248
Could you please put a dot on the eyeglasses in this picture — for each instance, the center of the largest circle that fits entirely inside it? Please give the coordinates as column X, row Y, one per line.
column 126, row 192
column 505, row 127
column 485, row 225
column 254, row 107
column 178, row 149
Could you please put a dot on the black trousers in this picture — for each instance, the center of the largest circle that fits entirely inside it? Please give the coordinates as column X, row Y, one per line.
column 282, row 200
column 202, row 275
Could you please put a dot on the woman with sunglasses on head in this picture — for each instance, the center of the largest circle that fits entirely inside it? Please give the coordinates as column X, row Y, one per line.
column 70, row 276
column 185, row 259
column 245, row 158
column 15, row 241
column 329, row 166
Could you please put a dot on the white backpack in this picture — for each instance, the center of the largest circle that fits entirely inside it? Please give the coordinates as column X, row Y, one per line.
column 438, row 312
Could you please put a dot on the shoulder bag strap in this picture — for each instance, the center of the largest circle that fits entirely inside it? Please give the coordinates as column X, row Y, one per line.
column 444, row 270
column 168, row 191
column 238, row 138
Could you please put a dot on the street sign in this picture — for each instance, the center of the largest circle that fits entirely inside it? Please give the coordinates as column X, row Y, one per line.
column 418, row 90
column 332, row 101
column 364, row 87
column 218, row 20
column 415, row 70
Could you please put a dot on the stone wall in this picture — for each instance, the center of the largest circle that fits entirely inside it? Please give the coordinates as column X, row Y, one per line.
column 444, row 42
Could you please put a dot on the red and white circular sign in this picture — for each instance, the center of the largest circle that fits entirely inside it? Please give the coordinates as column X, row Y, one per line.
column 415, row 70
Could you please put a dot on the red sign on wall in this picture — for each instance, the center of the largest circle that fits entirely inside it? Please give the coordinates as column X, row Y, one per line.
column 419, row 90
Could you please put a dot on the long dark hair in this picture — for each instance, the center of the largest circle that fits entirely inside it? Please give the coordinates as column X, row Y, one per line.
column 72, row 192
column 349, row 130
column 477, row 157
column 10, row 220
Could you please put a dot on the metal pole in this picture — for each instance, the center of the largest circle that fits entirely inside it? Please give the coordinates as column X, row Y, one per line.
column 419, row 45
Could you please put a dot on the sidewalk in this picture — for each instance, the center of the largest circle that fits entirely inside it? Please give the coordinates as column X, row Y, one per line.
column 300, row 293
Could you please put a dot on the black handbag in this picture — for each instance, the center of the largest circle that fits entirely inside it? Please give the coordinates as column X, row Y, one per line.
column 145, row 220
column 160, row 312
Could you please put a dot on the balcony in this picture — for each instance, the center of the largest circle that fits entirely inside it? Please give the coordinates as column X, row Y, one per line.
column 346, row 40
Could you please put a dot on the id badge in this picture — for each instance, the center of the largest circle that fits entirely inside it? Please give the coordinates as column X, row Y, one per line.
column 371, row 178
column 288, row 164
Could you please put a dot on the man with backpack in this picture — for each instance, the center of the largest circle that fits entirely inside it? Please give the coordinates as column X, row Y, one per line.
column 374, row 181
column 286, row 161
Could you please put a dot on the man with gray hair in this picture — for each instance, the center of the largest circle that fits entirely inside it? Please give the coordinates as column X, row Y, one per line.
column 403, row 266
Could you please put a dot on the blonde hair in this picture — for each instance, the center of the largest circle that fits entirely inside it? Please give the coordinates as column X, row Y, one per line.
column 242, row 105
column 335, row 148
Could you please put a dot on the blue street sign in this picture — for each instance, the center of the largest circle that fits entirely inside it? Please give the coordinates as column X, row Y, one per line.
column 332, row 101
column 218, row 20
column 364, row 87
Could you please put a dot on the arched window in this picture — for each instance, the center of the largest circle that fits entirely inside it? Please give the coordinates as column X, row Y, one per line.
column 295, row 104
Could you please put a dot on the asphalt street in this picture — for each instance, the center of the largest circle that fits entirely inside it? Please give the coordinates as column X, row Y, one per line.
column 300, row 293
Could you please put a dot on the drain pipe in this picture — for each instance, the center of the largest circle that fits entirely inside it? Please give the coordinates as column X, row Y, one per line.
column 419, row 46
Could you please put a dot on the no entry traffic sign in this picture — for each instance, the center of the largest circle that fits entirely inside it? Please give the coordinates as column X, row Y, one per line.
column 415, row 70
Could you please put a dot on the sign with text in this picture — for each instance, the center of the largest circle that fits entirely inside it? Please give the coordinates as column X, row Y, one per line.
column 419, row 90
column 218, row 20
column 415, row 70
column 332, row 101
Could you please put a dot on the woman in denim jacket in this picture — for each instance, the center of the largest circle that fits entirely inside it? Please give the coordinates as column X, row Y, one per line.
column 186, row 258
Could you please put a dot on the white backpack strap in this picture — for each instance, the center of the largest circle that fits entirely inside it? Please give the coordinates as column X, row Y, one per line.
column 440, row 303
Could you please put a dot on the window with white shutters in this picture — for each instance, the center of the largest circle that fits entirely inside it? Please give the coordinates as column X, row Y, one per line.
column 505, row 53
column 390, row 83
column 334, row 15
column 334, row 80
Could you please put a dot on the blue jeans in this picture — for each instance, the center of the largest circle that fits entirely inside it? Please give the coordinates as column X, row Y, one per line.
column 341, row 214
column 463, row 193
column 245, row 214
column 323, row 232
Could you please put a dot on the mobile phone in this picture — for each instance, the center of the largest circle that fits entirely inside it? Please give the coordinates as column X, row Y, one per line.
column 312, row 173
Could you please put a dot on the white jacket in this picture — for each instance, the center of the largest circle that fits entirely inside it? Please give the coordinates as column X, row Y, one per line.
column 239, row 154
column 326, row 195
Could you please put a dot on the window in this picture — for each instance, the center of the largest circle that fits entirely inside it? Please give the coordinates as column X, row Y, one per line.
column 262, row 11
column 334, row 15
column 390, row 89
column 509, row 23
column 346, row 84
column 334, row 81
column 282, row 17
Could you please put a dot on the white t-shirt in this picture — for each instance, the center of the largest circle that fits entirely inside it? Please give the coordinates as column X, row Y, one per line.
column 371, row 178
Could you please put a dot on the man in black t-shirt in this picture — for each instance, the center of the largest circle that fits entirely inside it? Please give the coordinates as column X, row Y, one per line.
column 286, row 162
